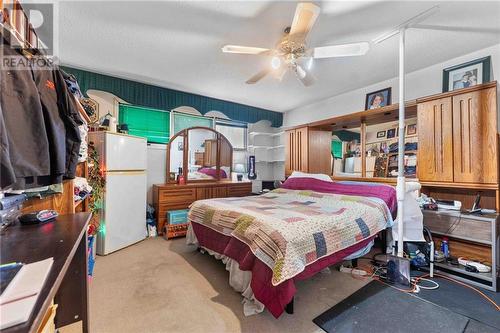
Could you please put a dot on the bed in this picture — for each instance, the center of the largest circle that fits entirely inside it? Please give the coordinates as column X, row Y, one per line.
column 291, row 233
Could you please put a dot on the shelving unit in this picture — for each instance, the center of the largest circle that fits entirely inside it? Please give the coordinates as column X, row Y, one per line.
column 267, row 144
column 474, row 235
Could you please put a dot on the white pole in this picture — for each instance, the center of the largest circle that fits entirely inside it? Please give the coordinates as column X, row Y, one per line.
column 400, row 189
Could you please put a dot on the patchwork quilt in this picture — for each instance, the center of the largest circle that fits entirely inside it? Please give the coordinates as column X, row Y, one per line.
column 289, row 229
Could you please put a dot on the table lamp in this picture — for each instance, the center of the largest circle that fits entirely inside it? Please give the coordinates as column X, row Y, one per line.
column 239, row 168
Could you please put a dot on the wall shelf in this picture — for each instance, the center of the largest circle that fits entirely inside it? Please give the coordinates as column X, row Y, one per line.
column 267, row 145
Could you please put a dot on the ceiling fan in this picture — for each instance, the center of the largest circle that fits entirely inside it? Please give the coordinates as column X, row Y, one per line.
column 291, row 51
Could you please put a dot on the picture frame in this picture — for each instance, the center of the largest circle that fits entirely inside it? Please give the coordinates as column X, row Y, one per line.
column 378, row 99
column 411, row 129
column 468, row 74
column 391, row 133
column 171, row 176
column 381, row 134
column 180, row 146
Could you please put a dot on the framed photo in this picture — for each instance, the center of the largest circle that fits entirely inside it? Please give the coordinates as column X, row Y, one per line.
column 411, row 129
column 171, row 176
column 380, row 134
column 180, row 145
column 378, row 99
column 467, row 74
column 391, row 133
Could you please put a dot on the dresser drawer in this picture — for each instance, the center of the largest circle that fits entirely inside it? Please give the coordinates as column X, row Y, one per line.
column 176, row 196
column 239, row 190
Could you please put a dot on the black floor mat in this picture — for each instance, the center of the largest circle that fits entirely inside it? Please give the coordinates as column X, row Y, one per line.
column 464, row 301
column 379, row 308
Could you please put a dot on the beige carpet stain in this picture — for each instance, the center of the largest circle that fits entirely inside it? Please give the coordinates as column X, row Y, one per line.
column 167, row 286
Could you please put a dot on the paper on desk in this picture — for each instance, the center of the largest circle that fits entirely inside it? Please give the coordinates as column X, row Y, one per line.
column 18, row 300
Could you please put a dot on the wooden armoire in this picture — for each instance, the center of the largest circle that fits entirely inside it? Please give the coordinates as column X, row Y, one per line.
column 308, row 150
column 457, row 135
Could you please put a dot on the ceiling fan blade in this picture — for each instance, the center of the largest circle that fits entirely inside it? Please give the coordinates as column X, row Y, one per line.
column 304, row 76
column 244, row 49
column 280, row 72
column 257, row 77
column 306, row 14
column 343, row 50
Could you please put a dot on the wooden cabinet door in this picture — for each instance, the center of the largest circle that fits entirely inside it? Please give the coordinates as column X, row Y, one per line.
column 289, row 152
column 475, row 142
column 435, row 141
column 320, row 151
column 302, row 149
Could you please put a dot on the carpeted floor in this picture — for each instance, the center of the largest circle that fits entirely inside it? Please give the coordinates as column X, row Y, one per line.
column 166, row 286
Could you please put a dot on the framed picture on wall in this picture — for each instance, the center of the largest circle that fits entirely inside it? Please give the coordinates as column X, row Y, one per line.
column 378, row 99
column 467, row 74
column 411, row 129
column 380, row 134
column 391, row 133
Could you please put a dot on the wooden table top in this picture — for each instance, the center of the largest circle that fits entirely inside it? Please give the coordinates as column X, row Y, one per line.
column 27, row 244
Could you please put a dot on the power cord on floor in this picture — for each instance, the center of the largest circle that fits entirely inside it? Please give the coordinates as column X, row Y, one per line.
column 377, row 271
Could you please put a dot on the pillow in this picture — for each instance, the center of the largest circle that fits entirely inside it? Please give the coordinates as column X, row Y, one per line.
column 318, row 176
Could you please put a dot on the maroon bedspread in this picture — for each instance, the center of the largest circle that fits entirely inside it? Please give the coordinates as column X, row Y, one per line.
column 275, row 298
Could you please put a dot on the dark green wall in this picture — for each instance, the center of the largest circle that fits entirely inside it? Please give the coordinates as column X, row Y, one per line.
column 167, row 99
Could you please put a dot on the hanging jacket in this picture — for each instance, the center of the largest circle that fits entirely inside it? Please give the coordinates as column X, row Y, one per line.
column 71, row 116
column 7, row 175
column 23, row 119
column 56, row 131
column 62, row 121
column 41, row 120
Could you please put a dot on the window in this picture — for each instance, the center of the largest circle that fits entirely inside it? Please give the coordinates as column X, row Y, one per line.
column 235, row 132
column 152, row 124
column 182, row 121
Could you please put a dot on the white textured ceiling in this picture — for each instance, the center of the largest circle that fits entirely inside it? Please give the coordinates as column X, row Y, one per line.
column 176, row 44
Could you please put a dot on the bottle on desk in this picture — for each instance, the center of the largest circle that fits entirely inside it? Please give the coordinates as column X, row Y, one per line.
column 180, row 177
column 445, row 247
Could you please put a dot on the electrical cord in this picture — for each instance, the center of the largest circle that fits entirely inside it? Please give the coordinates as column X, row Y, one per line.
column 376, row 273
column 436, row 285
column 495, row 305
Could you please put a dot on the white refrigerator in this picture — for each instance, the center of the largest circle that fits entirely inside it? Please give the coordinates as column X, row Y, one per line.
column 123, row 217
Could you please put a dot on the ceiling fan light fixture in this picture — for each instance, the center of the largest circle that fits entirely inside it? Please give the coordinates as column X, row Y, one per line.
column 275, row 62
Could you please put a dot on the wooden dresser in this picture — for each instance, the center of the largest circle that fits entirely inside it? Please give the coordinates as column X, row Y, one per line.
column 168, row 197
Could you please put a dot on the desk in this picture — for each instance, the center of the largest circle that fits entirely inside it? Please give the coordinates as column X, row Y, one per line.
column 65, row 240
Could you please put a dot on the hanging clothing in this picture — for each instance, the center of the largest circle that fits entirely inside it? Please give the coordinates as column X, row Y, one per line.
column 41, row 122
column 56, row 130
column 68, row 109
column 23, row 119
column 7, row 175
column 72, row 84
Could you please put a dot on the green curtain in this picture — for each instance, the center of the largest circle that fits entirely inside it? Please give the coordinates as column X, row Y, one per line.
column 149, row 123
column 344, row 135
column 146, row 95
column 337, row 149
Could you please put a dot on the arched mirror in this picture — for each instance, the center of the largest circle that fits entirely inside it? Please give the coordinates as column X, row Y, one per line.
column 199, row 154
